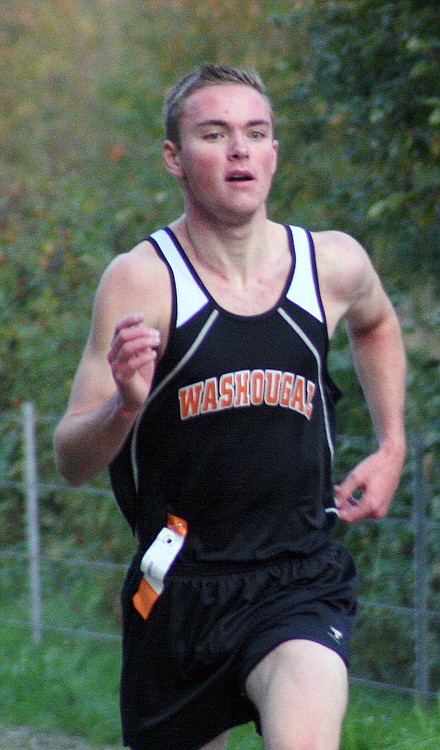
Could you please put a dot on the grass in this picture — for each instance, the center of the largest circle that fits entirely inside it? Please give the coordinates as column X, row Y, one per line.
column 70, row 684
column 383, row 720
column 64, row 684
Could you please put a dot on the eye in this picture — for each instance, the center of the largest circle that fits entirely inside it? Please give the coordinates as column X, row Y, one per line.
column 257, row 135
column 212, row 136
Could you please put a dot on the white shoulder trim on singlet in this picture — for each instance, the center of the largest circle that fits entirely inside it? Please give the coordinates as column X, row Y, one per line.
column 190, row 296
column 303, row 289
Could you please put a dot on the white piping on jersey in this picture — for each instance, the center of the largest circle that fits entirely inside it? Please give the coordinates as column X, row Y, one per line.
column 302, row 290
column 315, row 353
column 186, row 357
column 190, row 297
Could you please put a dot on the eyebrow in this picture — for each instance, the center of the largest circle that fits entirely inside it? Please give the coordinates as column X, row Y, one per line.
column 224, row 124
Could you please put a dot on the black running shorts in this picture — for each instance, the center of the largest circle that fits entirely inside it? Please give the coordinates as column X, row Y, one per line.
column 184, row 668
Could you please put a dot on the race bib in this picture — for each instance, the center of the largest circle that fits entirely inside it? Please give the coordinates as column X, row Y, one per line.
column 156, row 563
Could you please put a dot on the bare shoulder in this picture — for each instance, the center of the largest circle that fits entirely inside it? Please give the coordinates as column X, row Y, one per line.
column 140, row 269
column 350, row 287
column 342, row 261
column 136, row 281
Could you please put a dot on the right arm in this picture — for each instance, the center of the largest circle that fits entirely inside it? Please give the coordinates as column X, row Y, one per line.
column 116, row 371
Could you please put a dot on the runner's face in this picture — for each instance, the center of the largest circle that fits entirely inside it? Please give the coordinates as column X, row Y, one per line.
column 228, row 156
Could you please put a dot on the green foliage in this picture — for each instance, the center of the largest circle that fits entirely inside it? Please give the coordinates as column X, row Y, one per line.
column 367, row 108
column 81, row 168
column 355, row 85
column 355, row 90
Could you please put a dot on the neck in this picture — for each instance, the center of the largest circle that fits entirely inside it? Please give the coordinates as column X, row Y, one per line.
column 236, row 250
column 245, row 270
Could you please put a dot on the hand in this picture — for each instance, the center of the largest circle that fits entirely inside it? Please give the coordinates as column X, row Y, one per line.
column 376, row 479
column 132, row 357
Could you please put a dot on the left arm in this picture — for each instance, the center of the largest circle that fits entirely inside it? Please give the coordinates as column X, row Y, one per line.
column 379, row 359
column 355, row 293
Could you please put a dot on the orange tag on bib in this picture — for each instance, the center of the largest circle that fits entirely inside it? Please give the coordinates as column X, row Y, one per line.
column 156, row 563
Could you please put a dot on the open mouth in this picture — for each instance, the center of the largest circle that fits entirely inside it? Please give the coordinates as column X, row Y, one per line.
column 240, row 177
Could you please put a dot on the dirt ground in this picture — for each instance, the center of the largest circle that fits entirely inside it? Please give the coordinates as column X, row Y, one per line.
column 25, row 738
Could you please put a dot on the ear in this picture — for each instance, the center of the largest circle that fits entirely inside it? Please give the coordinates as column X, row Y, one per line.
column 171, row 155
column 275, row 147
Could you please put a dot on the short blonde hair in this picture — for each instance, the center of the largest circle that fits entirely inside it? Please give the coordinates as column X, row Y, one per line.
column 205, row 75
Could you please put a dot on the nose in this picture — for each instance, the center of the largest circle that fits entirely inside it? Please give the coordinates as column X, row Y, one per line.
column 238, row 147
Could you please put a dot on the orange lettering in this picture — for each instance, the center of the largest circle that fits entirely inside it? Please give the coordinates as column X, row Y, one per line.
column 257, row 387
column 298, row 400
column 226, row 390
column 189, row 399
column 286, row 388
column 210, row 396
column 242, row 388
column 272, row 391
column 311, row 388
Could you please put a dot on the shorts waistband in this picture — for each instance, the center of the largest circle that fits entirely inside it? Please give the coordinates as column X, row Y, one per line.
column 217, row 567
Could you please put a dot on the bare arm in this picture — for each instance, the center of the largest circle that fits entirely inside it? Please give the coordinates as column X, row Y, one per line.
column 115, row 374
column 379, row 358
column 380, row 363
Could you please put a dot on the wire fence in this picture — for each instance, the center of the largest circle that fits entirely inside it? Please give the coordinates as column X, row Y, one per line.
column 421, row 616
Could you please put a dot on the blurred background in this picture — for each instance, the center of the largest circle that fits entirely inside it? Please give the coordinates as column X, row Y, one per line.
column 356, row 91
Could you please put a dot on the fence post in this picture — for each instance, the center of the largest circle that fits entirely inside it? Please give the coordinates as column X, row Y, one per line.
column 33, row 528
column 420, row 526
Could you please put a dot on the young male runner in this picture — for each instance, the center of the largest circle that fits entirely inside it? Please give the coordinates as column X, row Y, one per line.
column 204, row 387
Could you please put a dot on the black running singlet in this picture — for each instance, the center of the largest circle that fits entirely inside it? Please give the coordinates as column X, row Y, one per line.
column 237, row 434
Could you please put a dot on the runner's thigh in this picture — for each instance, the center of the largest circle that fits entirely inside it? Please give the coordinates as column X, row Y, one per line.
column 300, row 691
column 220, row 742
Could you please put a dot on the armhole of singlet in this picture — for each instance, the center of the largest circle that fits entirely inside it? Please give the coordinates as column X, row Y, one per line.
column 151, row 239
column 188, row 297
column 306, row 252
column 304, row 287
